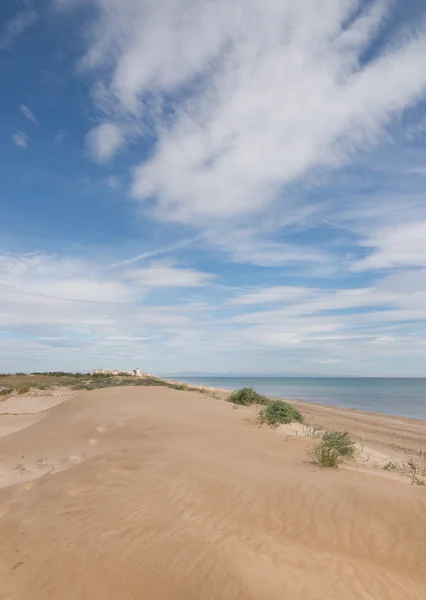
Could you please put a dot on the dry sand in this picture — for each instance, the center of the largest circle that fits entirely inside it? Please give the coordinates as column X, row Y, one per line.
column 152, row 493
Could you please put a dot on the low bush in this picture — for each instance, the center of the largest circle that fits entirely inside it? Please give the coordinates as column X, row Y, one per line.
column 325, row 456
column 5, row 391
column 341, row 442
column 180, row 386
column 333, row 449
column 83, row 386
column 417, row 468
column 24, row 389
column 277, row 413
column 247, row 397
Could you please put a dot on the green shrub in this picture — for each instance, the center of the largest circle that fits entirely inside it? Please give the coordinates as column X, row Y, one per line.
column 391, row 465
column 83, row 386
column 325, row 456
column 24, row 389
column 5, row 391
column 180, row 386
column 417, row 468
column 247, row 397
column 341, row 442
column 277, row 413
column 333, row 449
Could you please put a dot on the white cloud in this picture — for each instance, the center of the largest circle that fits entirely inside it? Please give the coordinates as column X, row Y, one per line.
column 17, row 26
column 261, row 93
column 398, row 246
column 28, row 114
column 258, row 248
column 44, row 277
column 104, row 141
column 113, row 182
column 20, row 139
column 60, row 136
column 75, row 313
column 271, row 295
column 416, row 130
column 164, row 274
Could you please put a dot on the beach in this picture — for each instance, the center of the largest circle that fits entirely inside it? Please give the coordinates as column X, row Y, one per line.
column 157, row 493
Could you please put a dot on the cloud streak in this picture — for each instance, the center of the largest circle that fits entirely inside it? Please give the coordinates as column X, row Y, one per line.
column 28, row 114
column 255, row 96
column 20, row 139
column 16, row 27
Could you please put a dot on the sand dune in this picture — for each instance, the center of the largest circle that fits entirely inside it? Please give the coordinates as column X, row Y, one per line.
column 153, row 493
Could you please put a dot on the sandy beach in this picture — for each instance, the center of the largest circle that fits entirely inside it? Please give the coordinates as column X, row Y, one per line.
column 153, row 493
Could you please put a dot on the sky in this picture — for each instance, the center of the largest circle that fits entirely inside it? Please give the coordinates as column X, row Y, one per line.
column 206, row 186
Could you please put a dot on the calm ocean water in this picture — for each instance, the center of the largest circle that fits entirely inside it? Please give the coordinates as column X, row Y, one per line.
column 392, row 396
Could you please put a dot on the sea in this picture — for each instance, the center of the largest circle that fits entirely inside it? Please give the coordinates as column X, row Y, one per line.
column 388, row 395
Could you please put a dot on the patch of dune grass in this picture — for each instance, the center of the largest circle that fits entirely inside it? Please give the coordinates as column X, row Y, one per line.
column 417, row 469
column 247, row 397
column 341, row 442
column 23, row 389
column 5, row 391
column 333, row 449
column 277, row 412
column 325, row 456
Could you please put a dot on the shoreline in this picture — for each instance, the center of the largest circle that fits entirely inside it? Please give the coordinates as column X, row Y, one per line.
column 399, row 435
column 199, row 386
column 403, row 418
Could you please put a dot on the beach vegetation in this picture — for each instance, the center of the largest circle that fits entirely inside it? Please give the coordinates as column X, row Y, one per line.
column 391, row 465
column 180, row 386
column 5, row 391
column 314, row 431
column 247, row 397
column 341, row 442
column 417, row 468
column 24, row 389
column 334, row 448
column 277, row 412
column 325, row 456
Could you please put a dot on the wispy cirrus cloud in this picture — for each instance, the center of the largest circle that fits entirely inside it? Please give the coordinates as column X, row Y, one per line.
column 245, row 99
column 166, row 274
column 16, row 26
column 105, row 141
column 398, row 246
column 76, row 312
column 28, row 114
column 20, row 139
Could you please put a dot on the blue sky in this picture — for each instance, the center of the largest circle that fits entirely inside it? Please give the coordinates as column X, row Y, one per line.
column 216, row 187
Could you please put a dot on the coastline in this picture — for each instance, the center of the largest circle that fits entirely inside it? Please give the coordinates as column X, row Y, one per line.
column 397, row 434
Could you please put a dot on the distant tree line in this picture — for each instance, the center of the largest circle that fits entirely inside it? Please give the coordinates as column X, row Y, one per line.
column 59, row 374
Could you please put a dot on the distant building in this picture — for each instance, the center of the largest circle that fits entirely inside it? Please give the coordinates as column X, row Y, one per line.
column 136, row 372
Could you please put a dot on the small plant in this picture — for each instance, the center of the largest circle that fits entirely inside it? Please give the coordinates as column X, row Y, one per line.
column 82, row 386
column 314, row 431
column 5, row 391
column 333, row 449
column 183, row 387
column 391, row 465
column 247, row 397
column 24, row 390
column 341, row 442
column 277, row 413
column 325, row 456
column 417, row 469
